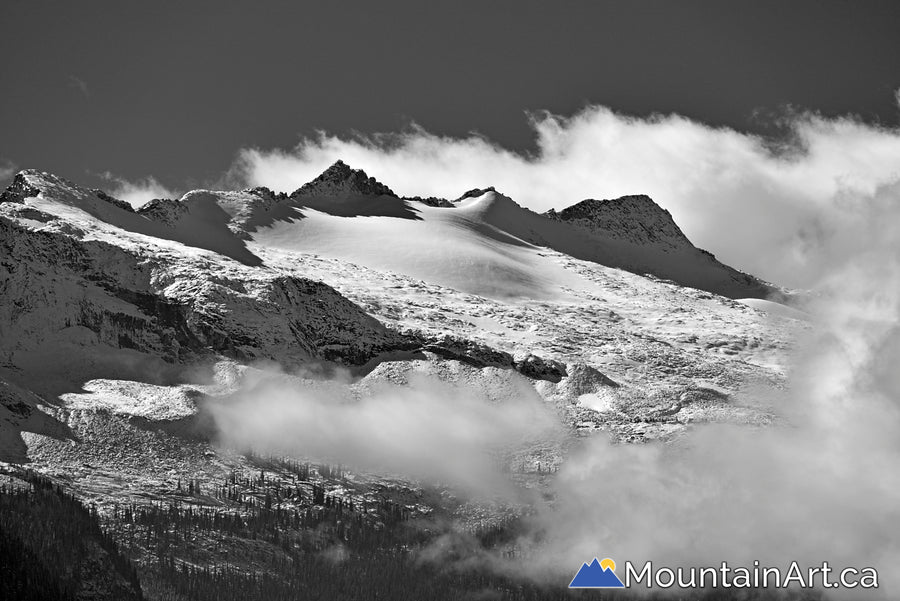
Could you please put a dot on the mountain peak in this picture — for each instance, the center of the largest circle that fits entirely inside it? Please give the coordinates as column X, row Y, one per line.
column 475, row 193
column 29, row 183
column 20, row 188
column 339, row 179
column 635, row 218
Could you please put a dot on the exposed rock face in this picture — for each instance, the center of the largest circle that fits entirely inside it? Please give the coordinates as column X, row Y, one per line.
column 102, row 195
column 468, row 352
column 584, row 379
column 431, row 201
column 475, row 193
column 19, row 189
column 176, row 312
column 636, row 219
column 163, row 210
column 52, row 282
column 537, row 368
column 341, row 179
column 266, row 193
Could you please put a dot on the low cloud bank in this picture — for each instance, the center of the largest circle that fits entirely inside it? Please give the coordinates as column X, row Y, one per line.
column 428, row 430
column 770, row 209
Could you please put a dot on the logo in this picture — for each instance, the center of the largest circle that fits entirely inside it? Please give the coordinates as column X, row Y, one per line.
column 602, row 574
column 597, row 574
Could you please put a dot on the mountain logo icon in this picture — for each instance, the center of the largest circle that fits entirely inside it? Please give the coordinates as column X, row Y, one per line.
column 597, row 574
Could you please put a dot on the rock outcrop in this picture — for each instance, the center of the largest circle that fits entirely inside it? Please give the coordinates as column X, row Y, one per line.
column 635, row 219
column 341, row 179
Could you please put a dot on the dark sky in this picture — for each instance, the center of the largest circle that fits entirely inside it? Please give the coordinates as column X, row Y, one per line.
column 175, row 89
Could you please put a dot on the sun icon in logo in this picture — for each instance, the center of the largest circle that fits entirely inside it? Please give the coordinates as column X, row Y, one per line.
column 608, row 563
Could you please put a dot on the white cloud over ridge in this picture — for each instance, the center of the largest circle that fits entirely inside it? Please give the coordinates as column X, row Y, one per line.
column 767, row 211
column 426, row 429
column 139, row 192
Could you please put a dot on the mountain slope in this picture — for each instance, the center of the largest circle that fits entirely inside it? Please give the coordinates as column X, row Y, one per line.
column 156, row 358
column 487, row 244
column 90, row 292
column 52, row 547
column 636, row 236
column 490, row 245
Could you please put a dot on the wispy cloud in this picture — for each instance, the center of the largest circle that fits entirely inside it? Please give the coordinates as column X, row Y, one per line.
column 764, row 209
column 7, row 170
column 139, row 192
column 80, row 85
column 427, row 430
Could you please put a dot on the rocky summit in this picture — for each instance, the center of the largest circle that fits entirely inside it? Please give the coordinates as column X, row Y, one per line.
column 341, row 178
column 635, row 219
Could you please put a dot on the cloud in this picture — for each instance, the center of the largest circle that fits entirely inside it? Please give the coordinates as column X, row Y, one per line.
column 427, row 430
column 7, row 170
column 768, row 208
column 138, row 192
column 80, row 85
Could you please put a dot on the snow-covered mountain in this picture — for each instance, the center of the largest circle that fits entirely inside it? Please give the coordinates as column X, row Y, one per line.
column 489, row 232
column 93, row 288
column 125, row 333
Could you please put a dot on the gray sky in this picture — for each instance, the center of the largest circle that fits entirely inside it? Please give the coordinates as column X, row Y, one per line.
column 174, row 90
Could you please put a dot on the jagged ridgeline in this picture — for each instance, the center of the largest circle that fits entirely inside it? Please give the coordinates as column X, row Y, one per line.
column 631, row 232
